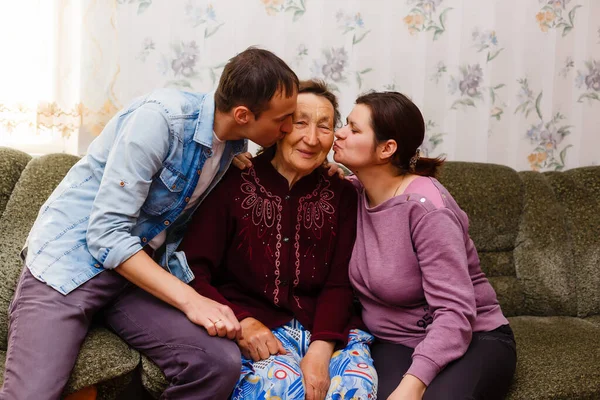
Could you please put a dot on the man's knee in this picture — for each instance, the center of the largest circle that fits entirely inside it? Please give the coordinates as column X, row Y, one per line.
column 220, row 361
column 226, row 358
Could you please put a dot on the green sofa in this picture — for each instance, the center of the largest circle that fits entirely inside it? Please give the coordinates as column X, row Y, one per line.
column 538, row 236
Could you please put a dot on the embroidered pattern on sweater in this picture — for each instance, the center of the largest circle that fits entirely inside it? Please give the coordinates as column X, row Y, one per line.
column 312, row 212
column 265, row 208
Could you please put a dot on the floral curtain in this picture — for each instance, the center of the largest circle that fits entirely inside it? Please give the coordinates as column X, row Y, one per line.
column 513, row 82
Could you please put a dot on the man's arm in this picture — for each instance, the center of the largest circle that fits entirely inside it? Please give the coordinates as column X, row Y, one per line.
column 217, row 318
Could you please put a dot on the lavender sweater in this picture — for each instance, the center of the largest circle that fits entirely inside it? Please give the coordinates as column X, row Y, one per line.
column 417, row 275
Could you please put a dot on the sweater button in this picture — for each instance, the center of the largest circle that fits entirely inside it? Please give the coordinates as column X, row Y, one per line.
column 286, row 239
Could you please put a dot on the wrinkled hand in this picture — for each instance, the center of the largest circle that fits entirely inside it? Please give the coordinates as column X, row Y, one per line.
column 257, row 341
column 315, row 369
column 333, row 169
column 410, row 388
column 243, row 160
column 218, row 319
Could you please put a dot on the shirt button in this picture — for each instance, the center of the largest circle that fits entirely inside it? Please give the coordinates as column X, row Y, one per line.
column 167, row 223
column 97, row 265
column 286, row 239
column 422, row 200
column 287, row 197
column 144, row 239
column 173, row 187
column 187, row 199
column 199, row 171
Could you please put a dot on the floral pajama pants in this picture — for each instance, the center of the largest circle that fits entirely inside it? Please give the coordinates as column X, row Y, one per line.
column 351, row 370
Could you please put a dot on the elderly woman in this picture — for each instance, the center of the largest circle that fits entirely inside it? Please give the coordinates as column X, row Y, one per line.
column 273, row 244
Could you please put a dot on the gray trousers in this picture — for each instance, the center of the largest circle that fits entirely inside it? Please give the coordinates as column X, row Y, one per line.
column 46, row 330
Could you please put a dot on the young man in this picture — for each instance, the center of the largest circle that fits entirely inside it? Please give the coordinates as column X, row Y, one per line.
column 114, row 223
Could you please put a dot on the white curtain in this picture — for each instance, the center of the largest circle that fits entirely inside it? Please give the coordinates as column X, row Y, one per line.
column 513, row 82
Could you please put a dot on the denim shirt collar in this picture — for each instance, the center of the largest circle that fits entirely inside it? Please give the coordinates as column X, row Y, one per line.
column 205, row 126
column 206, row 120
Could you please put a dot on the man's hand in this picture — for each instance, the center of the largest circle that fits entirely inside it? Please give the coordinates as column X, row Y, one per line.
column 410, row 388
column 243, row 160
column 144, row 272
column 315, row 369
column 218, row 319
column 257, row 341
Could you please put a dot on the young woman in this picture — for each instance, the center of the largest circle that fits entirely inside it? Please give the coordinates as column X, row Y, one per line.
column 440, row 332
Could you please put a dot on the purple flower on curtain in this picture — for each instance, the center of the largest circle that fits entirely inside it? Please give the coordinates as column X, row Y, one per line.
column 333, row 68
column 547, row 137
column 589, row 81
column 471, row 79
column 186, row 55
column 336, row 60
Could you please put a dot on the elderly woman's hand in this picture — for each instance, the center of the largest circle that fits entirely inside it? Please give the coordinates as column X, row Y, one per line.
column 315, row 369
column 243, row 160
column 257, row 341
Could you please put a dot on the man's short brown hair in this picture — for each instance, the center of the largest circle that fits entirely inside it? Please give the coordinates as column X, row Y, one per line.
column 252, row 78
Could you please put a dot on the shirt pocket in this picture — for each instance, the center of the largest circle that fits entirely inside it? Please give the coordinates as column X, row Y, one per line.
column 165, row 192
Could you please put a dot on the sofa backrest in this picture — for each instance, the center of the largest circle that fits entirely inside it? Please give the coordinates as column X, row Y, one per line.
column 521, row 235
column 35, row 184
column 12, row 163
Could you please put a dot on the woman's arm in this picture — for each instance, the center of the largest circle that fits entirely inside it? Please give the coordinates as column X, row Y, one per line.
column 439, row 241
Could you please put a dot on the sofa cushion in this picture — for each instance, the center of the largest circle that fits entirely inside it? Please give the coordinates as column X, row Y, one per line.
column 153, row 379
column 12, row 163
column 103, row 357
column 37, row 181
column 557, row 358
column 578, row 193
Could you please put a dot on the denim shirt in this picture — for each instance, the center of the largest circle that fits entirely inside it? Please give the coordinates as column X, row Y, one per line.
column 134, row 182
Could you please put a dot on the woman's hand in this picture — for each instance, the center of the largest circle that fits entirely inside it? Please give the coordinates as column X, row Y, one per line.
column 410, row 388
column 315, row 369
column 333, row 168
column 243, row 160
column 257, row 341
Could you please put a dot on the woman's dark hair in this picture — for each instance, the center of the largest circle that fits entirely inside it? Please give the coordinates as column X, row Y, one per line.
column 251, row 79
column 318, row 88
column 394, row 116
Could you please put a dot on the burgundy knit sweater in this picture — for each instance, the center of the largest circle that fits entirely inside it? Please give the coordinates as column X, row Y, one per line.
column 275, row 253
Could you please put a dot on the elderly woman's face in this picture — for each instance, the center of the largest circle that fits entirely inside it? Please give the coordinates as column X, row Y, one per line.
column 306, row 147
